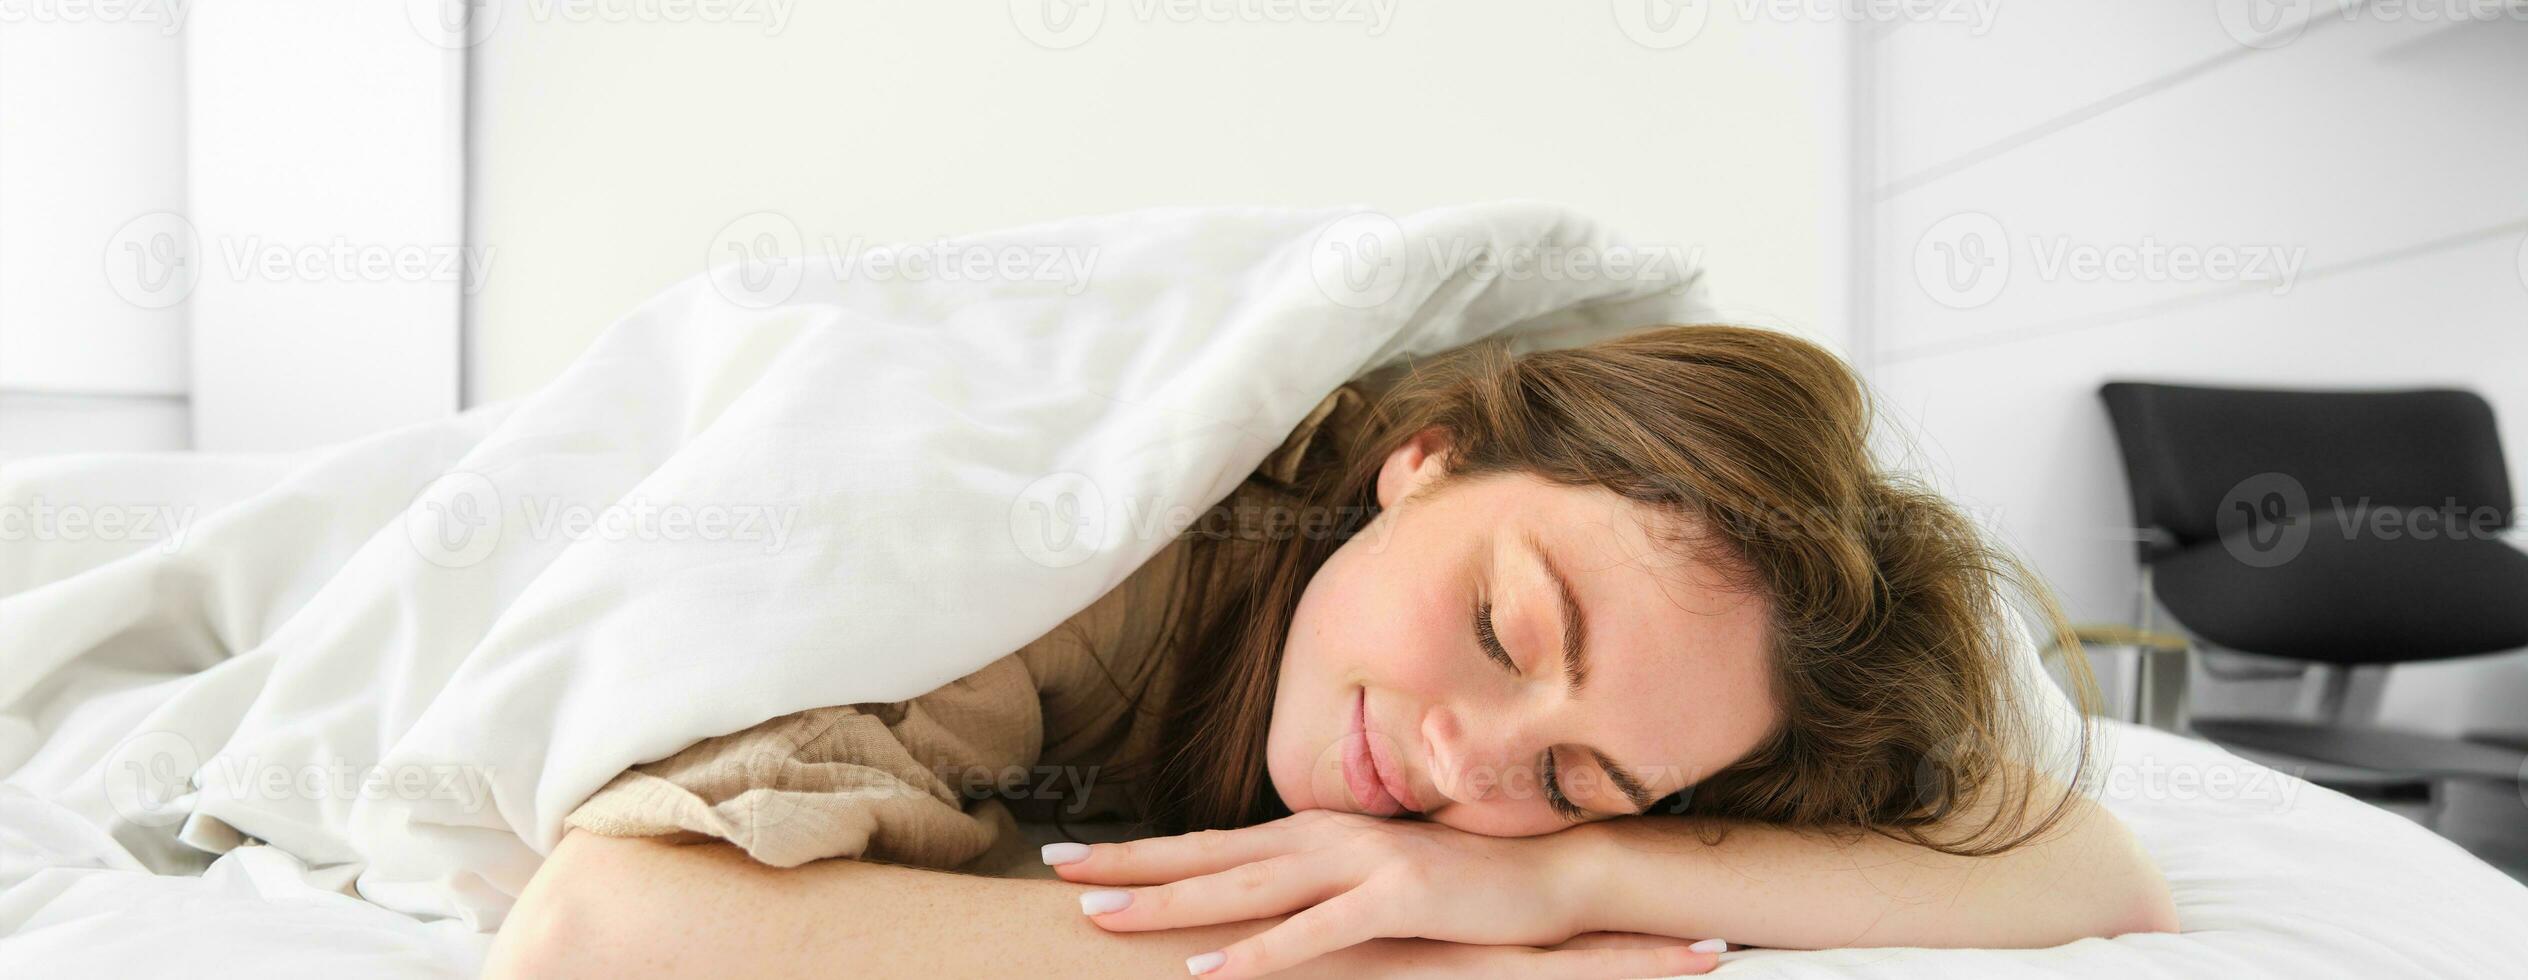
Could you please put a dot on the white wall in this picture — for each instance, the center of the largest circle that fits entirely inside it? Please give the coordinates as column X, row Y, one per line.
column 325, row 173
column 219, row 222
column 608, row 155
column 2386, row 149
column 91, row 142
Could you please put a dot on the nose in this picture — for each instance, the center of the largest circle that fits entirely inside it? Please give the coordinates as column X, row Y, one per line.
column 1479, row 757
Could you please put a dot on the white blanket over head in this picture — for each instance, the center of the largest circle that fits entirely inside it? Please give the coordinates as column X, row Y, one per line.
column 775, row 487
column 401, row 661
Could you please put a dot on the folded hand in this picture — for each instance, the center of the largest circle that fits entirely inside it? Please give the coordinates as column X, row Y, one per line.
column 1344, row 879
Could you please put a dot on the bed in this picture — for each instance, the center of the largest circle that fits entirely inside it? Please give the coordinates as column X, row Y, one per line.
column 328, row 716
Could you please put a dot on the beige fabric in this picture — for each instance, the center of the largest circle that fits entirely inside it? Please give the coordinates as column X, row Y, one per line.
column 923, row 782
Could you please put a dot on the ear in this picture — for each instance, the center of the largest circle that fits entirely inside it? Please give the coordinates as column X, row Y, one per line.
column 1412, row 466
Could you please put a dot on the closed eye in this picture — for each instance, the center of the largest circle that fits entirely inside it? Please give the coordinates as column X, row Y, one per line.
column 1489, row 640
column 1550, row 779
column 1552, row 783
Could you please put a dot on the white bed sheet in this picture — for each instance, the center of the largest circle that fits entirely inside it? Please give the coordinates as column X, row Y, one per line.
column 2272, row 876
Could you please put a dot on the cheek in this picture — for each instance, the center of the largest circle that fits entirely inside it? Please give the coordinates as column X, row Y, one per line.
column 1365, row 619
column 1381, row 620
column 1343, row 618
column 1308, row 692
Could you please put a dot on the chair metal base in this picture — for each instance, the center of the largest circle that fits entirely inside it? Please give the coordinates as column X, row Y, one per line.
column 2390, row 753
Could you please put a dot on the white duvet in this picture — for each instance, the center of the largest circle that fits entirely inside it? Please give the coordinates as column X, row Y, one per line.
column 324, row 712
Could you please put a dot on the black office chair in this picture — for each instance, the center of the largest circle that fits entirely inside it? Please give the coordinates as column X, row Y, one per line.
column 2343, row 530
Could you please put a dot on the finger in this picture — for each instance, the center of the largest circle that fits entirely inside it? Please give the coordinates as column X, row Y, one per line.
column 1616, row 963
column 1158, row 860
column 1326, row 927
column 1269, row 887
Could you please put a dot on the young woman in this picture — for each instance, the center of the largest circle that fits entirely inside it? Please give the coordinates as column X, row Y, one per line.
column 1570, row 663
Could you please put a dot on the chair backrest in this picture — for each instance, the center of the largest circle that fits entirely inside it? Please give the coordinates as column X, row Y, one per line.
column 2189, row 451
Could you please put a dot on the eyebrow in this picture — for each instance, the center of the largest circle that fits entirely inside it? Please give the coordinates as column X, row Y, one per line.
column 1632, row 788
column 1575, row 635
column 1575, row 629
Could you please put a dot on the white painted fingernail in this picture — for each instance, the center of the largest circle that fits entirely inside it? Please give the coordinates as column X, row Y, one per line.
column 1711, row 946
column 1199, row 965
column 1102, row 902
column 1064, row 852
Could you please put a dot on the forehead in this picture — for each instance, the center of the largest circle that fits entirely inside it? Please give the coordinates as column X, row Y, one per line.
column 1679, row 669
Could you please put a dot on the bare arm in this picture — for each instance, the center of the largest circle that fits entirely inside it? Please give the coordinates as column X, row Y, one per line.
column 612, row 907
column 1343, row 878
column 1771, row 886
column 615, row 907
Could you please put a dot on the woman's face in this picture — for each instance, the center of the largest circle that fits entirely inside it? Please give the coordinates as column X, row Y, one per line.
column 1392, row 701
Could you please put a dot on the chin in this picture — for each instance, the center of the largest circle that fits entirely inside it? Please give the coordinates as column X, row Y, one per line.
column 1289, row 772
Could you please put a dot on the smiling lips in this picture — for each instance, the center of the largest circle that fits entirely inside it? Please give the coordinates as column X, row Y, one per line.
column 1369, row 767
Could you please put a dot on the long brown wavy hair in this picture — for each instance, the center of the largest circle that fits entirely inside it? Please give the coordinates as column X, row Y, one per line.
column 1889, row 639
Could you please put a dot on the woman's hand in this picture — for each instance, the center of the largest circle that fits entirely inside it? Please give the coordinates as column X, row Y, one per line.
column 1345, row 879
